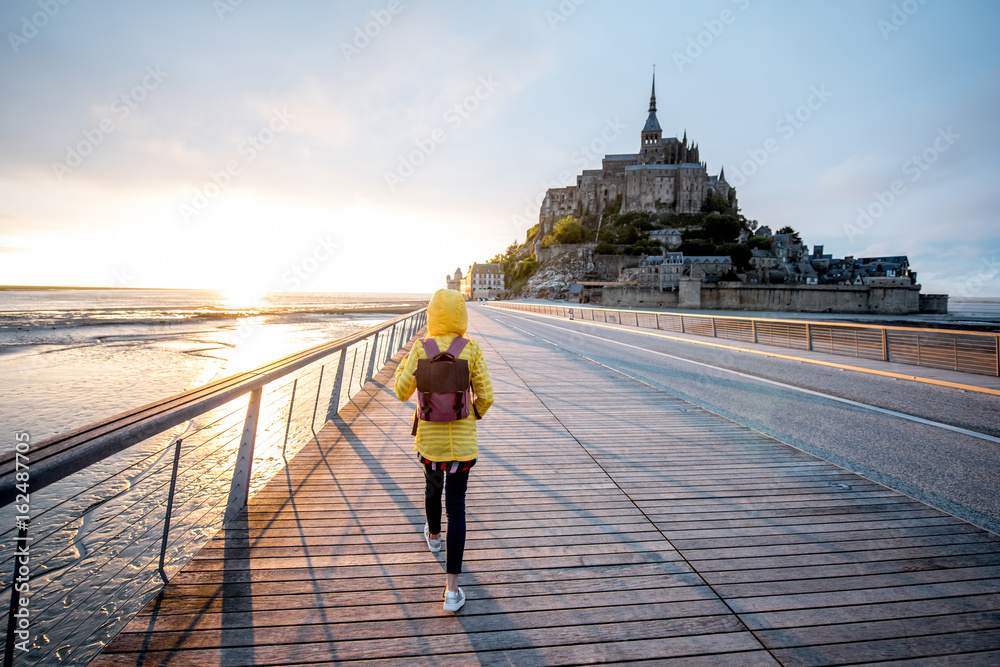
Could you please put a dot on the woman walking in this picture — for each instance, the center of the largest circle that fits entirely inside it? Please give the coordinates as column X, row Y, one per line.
column 447, row 449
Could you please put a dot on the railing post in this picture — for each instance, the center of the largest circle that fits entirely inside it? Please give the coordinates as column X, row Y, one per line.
column 713, row 328
column 291, row 406
column 361, row 366
column 753, row 325
column 170, row 507
column 391, row 347
column 371, row 358
column 239, row 490
column 885, row 344
column 15, row 595
column 319, row 388
column 809, row 339
column 334, row 408
column 998, row 356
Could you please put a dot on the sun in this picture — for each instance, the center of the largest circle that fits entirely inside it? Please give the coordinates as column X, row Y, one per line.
column 243, row 297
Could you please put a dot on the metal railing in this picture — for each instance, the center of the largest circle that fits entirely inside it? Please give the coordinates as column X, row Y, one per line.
column 114, row 505
column 966, row 351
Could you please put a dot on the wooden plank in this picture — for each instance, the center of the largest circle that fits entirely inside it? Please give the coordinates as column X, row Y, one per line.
column 635, row 527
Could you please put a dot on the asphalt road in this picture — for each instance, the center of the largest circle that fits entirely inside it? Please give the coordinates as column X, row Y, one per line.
column 954, row 471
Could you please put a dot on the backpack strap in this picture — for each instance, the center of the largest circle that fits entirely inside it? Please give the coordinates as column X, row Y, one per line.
column 454, row 350
column 457, row 346
column 432, row 350
column 431, row 347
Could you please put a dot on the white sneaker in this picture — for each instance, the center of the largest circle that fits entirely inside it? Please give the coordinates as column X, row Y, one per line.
column 433, row 545
column 454, row 601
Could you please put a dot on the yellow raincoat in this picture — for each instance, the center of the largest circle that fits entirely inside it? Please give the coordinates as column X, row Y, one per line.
column 448, row 441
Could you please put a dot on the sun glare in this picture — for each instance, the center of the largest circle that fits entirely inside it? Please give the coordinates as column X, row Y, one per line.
column 243, row 297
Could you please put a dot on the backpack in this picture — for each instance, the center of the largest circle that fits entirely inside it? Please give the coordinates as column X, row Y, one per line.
column 443, row 383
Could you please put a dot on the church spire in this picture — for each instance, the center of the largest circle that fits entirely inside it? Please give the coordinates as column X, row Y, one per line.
column 652, row 95
column 651, row 132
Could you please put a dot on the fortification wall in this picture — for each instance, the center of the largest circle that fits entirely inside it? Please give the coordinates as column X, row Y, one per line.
column 774, row 298
column 611, row 266
column 561, row 249
column 934, row 303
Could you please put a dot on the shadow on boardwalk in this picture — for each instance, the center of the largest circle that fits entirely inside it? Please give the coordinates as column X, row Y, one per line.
column 609, row 522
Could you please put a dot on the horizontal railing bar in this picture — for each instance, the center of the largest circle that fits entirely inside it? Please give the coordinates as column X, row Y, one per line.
column 58, row 457
column 188, row 397
column 968, row 351
column 920, row 331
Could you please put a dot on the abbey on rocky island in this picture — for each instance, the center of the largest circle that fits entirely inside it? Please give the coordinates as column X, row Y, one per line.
column 665, row 175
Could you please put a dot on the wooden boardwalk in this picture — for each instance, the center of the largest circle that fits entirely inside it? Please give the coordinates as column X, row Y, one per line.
column 608, row 522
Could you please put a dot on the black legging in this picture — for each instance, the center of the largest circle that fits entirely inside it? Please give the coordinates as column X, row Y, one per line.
column 454, row 503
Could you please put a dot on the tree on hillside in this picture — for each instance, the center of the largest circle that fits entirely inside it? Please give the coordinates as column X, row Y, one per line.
column 722, row 229
column 715, row 202
column 738, row 252
column 614, row 207
column 568, row 230
column 644, row 247
column 571, row 230
column 696, row 247
column 759, row 243
column 788, row 230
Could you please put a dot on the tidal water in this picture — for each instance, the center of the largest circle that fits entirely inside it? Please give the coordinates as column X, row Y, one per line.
column 72, row 357
column 69, row 358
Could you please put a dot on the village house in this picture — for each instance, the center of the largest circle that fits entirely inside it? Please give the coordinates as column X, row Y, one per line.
column 482, row 281
column 665, row 271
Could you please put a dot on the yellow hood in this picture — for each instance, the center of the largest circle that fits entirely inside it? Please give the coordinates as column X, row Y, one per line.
column 446, row 314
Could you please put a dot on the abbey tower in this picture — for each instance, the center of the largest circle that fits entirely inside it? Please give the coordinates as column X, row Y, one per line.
column 665, row 175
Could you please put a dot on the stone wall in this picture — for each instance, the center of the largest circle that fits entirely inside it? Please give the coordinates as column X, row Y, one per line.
column 934, row 303
column 561, row 249
column 610, row 266
column 635, row 296
column 770, row 298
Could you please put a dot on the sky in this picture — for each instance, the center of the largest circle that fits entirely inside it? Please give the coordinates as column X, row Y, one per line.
column 255, row 145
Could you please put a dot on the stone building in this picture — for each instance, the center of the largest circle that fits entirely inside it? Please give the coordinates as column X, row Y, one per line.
column 664, row 272
column 670, row 239
column 455, row 281
column 666, row 174
column 661, row 271
column 483, row 281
